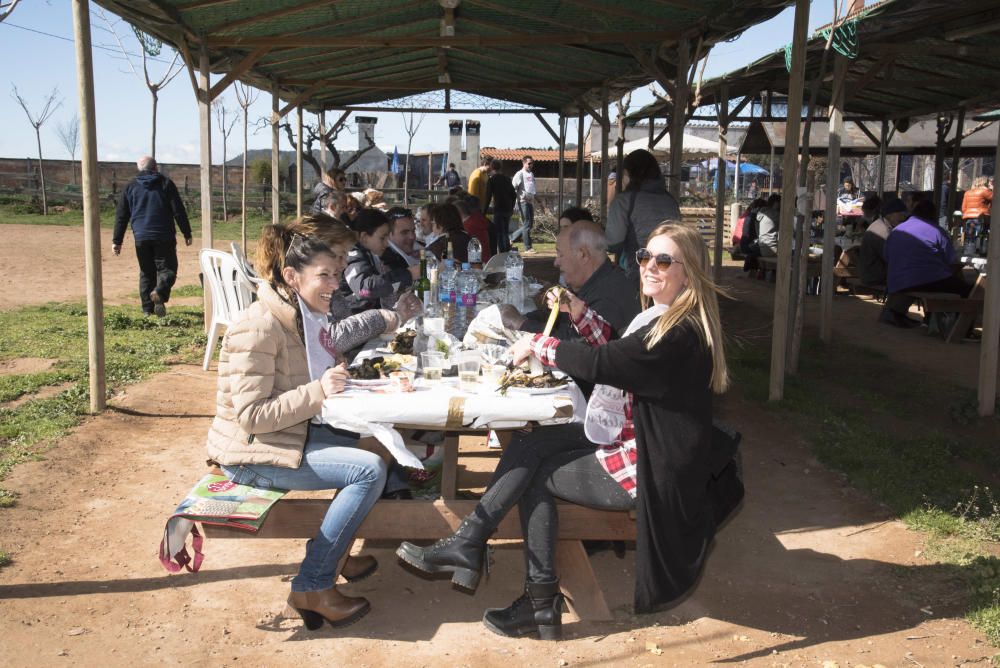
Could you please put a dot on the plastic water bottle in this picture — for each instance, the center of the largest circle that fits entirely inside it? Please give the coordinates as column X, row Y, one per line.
column 446, row 283
column 514, row 269
column 514, row 266
column 468, row 286
column 431, row 294
column 475, row 251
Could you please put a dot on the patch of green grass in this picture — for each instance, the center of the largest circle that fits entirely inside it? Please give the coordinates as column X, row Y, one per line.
column 193, row 290
column 8, row 499
column 879, row 435
column 135, row 348
column 5, row 559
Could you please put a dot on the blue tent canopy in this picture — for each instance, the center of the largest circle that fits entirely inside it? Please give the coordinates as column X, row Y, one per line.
column 745, row 167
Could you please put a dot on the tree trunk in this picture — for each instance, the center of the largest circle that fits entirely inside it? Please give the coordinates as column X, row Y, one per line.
column 41, row 171
column 406, row 174
column 225, row 200
column 152, row 144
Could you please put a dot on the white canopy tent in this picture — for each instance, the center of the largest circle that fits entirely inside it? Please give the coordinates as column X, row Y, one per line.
column 694, row 147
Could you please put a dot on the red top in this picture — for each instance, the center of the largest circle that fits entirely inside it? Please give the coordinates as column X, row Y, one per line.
column 479, row 227
column 977, row 202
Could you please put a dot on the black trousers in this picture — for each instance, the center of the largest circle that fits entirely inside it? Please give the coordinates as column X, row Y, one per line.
column 157, row 270
column 551, row 462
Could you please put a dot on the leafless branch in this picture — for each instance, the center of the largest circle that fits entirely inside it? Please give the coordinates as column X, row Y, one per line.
column 48, row 108
column 6, row 7
column 69, row 135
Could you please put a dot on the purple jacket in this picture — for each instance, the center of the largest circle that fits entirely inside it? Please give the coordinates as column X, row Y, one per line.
column 917, row 252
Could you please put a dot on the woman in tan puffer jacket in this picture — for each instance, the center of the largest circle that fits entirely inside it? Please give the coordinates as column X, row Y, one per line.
column 265, row 432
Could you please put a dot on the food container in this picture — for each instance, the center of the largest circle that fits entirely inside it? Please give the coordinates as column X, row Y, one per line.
column 402, row 381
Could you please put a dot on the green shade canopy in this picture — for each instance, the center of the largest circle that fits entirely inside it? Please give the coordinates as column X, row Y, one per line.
column 553, row 55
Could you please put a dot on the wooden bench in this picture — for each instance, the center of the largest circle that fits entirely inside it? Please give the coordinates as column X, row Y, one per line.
column 430, row 520
column 814, row 266
column 968, row 308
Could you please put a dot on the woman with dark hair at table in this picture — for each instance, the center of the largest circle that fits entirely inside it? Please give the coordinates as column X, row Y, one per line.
column 447, row 230
column 644, row 204
column 660, row 457
column 266, row 432
column 367, row 282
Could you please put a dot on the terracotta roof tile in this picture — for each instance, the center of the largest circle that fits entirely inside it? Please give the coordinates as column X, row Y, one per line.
column 518, row 153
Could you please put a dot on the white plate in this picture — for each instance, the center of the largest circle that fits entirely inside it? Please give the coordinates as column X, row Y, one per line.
column 537, row 390
column 375, row 382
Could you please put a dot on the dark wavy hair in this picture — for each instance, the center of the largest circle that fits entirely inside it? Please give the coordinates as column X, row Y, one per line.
column 641, row 166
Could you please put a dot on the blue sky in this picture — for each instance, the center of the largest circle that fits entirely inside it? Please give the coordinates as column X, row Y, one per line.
column 37, row 62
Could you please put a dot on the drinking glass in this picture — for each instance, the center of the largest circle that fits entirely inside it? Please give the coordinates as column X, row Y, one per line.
column 469, row 362
column 432, row 363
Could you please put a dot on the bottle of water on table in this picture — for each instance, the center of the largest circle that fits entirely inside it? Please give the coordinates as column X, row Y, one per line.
column 514, row 270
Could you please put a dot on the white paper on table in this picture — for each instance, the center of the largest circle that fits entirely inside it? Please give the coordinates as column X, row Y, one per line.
column 383, row 433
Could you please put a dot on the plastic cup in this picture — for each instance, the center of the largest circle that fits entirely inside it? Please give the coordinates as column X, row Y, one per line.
column 492, row 373
column 432, row 363
column 469, row 362
column 433, row 326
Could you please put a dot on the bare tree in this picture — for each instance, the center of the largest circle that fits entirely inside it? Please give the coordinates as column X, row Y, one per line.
column 69, row 135
column 226, row 125
column 6, row 7
column 150, row 47
column 48, row 108
column 410, row 125
column 245, row 96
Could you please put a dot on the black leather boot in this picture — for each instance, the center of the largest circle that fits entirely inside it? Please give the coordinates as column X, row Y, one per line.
column 537, row 611
column 464, row 554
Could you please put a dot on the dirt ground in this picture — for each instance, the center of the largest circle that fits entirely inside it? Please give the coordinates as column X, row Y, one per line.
column 809, row 573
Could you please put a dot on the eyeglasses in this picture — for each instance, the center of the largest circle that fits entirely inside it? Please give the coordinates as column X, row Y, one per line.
column 663, row 260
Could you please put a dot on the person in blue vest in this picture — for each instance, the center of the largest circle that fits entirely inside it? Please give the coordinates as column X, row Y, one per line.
column 153, row 205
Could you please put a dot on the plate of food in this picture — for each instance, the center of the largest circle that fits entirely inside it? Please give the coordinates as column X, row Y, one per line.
column 372, row 370
column 519, row 381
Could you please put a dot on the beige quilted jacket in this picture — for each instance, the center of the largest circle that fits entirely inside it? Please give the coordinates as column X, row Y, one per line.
column 265, row 398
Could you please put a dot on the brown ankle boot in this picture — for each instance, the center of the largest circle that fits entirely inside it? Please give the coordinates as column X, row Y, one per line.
column 330, row 605
column 359, row 567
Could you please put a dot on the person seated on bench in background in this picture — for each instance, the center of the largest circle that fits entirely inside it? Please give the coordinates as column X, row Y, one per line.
column 872, row 266
column 648, row 444
column 920, row 258
column 265, row 432
column 767, row 229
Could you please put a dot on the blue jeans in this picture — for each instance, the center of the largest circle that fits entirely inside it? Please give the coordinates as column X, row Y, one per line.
column 330, row 461
column 527, row 221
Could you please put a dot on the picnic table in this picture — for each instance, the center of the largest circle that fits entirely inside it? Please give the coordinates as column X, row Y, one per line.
column 444, row 406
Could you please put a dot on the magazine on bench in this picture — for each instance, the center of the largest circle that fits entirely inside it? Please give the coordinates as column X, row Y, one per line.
column 214, row 500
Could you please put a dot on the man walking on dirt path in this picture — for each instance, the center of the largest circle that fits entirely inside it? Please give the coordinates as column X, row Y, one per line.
column 152, row 203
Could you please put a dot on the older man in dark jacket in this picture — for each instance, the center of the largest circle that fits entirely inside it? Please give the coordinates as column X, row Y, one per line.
column 152, row 203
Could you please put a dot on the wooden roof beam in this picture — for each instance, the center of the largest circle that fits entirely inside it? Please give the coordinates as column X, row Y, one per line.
column 503, row 9
column 237, row 71
column 372, row 41
column 858, row 86
column 411, row 84
column 200, row 4
column 364, row 19
column 279, row 13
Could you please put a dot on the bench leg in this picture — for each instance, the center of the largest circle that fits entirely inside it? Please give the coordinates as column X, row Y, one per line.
column 579, row 584
column 449, row 467
column 961, row 326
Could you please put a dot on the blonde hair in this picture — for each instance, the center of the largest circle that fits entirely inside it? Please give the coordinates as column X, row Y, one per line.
column 698, row 303
column 980, row 182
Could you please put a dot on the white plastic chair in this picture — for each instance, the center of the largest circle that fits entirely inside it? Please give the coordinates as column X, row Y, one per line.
column 231, row 293
column 495, row 263
column 244, row 267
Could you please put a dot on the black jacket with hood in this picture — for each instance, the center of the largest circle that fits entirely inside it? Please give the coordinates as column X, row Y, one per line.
column 152, row 203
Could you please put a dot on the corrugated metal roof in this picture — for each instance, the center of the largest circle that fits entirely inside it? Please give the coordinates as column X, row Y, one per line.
column 547, row 54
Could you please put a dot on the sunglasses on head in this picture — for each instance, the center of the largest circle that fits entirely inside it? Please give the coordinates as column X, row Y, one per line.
column 396, row 215
column 663, row 260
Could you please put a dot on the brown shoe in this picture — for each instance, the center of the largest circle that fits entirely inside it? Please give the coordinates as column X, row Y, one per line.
column 358, row 568
column 158, row 308
column 330, row 605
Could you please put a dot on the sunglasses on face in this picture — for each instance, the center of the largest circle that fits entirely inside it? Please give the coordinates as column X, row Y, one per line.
column 663, row 260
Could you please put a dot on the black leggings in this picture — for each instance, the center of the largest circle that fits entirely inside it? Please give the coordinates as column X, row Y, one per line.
column 549, row 462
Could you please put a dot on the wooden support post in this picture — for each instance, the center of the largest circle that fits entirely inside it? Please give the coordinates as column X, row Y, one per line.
column 779, row 333
column 956, row 158
column 883, row 142
column 720, row 179
column 678, row 117
column 205, row 122
column 576, row 579
column 652, row 139
column 91, row 203
column 830, row 215
column 579, row 158
column 895, row 188
column 322, row 143
column 943, row 124
column 298, row 164
column 275, row 154
column 562, row 162
column 991, row 324
column 605, row 131
column 449, row 467
column 770, row 174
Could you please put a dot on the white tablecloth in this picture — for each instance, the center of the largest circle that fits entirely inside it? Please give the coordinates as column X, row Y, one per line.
column 442, row 405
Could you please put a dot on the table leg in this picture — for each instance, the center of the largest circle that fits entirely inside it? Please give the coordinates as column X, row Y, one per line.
column 449, row 467
column 579, row 584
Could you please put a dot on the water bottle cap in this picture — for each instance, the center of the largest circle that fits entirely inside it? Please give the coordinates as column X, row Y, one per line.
column 466, row 266
column 449, row 263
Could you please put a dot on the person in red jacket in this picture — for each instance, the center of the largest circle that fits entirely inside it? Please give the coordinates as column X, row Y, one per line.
column 475, row 223
column 976, row 205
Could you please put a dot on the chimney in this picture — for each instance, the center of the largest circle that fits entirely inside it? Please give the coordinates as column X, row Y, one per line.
column 471, row 145
column 366, row 129
column 454, row 141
